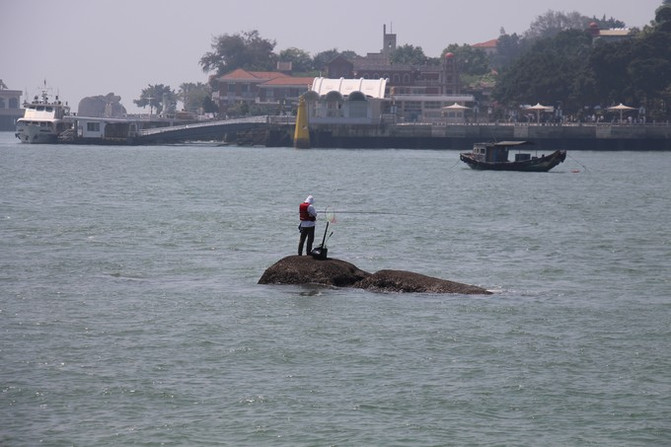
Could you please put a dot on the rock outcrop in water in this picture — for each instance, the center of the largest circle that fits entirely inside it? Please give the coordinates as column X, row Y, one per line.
column 338, row 273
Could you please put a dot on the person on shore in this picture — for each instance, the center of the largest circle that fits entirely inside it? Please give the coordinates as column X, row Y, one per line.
column 308, row 216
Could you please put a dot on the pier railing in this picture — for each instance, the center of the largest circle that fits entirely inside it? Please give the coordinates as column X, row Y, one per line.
column 205, row 125
column 522, row 124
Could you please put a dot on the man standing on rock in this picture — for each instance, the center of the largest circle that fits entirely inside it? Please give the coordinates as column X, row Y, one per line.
column 308, row 216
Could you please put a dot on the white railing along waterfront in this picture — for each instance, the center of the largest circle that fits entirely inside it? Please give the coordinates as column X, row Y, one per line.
column 512, row 124
column 205, row 124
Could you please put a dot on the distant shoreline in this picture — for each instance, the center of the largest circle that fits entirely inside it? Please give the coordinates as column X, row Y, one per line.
column 599, row 137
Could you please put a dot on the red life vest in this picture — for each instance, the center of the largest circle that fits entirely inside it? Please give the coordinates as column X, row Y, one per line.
column 303, row 212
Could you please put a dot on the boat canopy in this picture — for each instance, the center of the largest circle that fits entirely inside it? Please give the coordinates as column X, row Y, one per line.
column 373, row 88
column 511, row 143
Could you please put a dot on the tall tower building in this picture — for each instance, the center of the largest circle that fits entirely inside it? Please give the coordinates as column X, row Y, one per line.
column 388, row 43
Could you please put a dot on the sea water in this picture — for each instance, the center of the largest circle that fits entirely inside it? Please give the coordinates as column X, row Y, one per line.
column 130, row 312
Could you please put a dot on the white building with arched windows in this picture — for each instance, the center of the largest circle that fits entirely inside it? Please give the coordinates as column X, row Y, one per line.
column 346, row 101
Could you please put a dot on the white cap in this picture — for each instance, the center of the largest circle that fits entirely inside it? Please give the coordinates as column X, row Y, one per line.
column 309, row 200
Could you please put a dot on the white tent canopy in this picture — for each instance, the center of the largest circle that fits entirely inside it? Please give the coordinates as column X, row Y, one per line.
column 373, row 88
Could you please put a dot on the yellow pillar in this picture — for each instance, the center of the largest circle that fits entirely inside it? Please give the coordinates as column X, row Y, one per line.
column 301, row 132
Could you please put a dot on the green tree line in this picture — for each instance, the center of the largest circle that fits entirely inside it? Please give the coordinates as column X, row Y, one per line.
column 571, row 69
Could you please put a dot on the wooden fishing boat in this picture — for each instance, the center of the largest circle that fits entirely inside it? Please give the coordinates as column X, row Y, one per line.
column 494, row 157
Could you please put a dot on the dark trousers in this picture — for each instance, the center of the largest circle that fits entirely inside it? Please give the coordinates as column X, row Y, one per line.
column 309, row 234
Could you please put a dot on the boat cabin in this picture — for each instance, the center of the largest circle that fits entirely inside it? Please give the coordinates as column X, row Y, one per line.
column 44, row 117
column 45, row 110
column 110, row 129
column 498, row 152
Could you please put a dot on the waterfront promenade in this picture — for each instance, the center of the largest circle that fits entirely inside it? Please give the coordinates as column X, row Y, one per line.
column 277, row 131
column 461, row 136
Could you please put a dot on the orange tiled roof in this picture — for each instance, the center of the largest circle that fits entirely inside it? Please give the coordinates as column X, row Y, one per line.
column 614, row 32
column 488, row 44
column 289, row 80
column 244, row 75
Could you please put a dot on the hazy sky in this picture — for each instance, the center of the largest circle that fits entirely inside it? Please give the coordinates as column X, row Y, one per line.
column 92, row 47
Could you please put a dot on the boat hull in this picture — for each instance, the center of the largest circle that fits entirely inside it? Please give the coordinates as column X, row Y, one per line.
column 539, row 164
column 35, row 134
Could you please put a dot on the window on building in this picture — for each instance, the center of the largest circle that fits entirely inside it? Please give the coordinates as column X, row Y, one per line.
column 93, row 127
column 412, row 106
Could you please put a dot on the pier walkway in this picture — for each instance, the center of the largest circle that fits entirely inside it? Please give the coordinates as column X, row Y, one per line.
column 210, row 130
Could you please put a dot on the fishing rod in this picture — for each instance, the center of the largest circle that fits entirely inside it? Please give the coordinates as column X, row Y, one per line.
column 361, row 212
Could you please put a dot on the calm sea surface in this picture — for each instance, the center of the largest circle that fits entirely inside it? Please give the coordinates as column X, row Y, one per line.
column 130, row 312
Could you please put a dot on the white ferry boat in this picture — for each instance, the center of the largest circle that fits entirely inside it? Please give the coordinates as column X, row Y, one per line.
column 43, row 120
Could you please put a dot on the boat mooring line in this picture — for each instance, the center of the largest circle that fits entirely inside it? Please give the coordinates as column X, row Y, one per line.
column 455, row 164
column 583, row 166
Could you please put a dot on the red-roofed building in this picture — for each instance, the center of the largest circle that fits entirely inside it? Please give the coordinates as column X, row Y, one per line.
column 264, row 88
column 488, row 47
column 283, row 90
column 609, row 35
column 404, row 79
column 257, row 87
column 240, row 86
